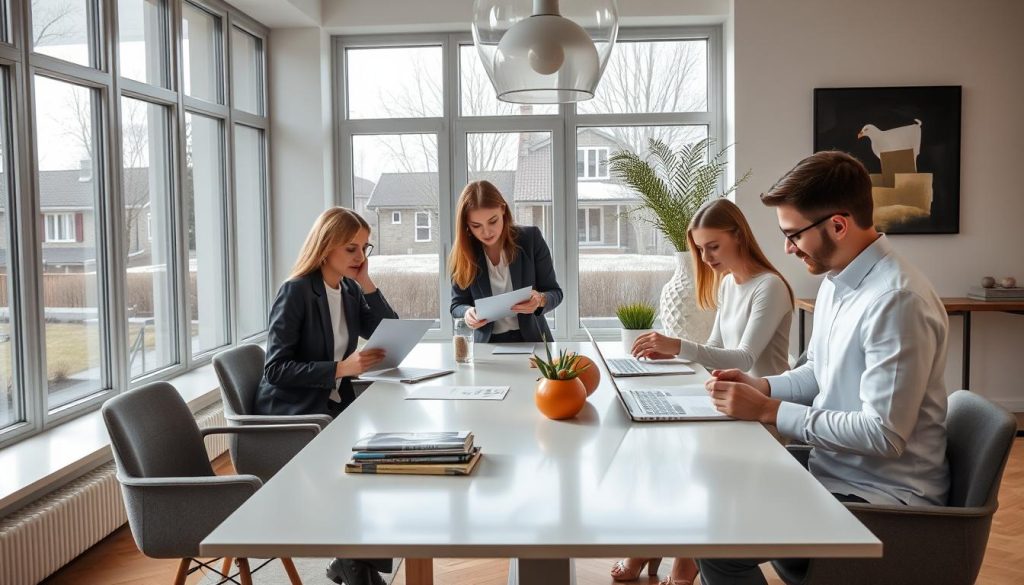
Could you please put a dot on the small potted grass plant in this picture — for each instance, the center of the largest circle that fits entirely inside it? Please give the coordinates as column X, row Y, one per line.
column 637, row 319
column 560, row 393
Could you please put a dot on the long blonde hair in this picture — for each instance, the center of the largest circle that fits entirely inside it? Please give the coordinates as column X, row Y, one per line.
column 722, row 214
column 335, row 227
column 462, row 259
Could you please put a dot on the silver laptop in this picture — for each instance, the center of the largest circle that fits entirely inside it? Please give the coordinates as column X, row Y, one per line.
column 682, row 403
column 627, row 367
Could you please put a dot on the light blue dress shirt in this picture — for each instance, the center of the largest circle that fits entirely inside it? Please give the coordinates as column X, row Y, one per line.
column 871, row 398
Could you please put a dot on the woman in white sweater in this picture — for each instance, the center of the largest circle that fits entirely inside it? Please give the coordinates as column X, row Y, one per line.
column 751, row 332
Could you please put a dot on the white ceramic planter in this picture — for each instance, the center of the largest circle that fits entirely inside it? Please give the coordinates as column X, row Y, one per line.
column 629, row 336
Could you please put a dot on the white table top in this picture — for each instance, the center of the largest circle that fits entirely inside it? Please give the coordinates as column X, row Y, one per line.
column 595, row 486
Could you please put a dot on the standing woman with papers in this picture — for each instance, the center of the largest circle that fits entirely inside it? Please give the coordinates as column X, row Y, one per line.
column 319, row 313
column 491, row 256
column 751, row 332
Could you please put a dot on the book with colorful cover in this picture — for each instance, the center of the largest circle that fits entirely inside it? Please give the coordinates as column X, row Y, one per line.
column 403, row 457
column 457, row 441
column 415, row 468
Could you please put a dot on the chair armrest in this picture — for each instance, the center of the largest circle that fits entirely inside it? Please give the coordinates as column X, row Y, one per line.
column 801, row 452
column 310, row 429
column 322, row 420
column 204, row 481
column 904, row 513
column 262, row 450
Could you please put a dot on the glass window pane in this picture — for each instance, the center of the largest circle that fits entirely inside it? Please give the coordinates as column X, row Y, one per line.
column 647, row 77
column 146, row 173
column 250, row 230
column 204, row 211
column 64, row 29
column 519, row 165
column 247, row 71
column 143, row 40
column 5, row 29
column 622, row 258
column 394, row 82
column 202, row 55
column 399, row 173
column 11, row 397
column 68, row 193
column 477, row 93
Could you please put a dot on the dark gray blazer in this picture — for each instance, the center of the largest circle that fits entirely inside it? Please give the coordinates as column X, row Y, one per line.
column 299, row 372
column 532, row 267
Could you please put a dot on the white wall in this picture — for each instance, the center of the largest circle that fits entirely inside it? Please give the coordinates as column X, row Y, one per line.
column 785, row 48
column 302, row 147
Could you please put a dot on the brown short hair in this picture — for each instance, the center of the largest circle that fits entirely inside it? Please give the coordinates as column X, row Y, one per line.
column 827, row 181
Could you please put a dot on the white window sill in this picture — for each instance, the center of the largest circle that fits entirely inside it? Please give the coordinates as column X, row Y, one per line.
column 46, row 461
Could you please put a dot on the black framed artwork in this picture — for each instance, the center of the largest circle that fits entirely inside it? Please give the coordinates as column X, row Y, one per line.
column 909, row 140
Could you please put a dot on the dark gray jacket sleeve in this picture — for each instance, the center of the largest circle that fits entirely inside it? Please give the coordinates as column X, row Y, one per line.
column 281, row 368
column 546, row 280
column 462, row 301
column 373, row 308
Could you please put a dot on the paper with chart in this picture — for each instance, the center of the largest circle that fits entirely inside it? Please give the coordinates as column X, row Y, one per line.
column 459, row 393
column 500, row 306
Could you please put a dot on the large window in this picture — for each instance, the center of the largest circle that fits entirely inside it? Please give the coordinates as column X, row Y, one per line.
column 137, row 243
column 11, row 397
column 203, row 198
column 552, row 163
column 66, row 29
column 146, row 179
column 74, row 330
column 250, row 230
column 143, row 34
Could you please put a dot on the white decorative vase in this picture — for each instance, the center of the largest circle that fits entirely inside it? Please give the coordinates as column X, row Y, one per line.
column 680, row 315
column 629, row 337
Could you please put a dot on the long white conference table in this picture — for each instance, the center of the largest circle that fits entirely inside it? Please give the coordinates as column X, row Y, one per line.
column 545, row 491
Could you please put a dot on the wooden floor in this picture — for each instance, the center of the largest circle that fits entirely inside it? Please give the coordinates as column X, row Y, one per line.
column 116, row 561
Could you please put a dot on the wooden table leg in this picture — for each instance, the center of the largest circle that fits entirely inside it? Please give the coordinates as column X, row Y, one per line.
column 245, row 576
column 179, row 578
column 293, row 575
column 419, row 571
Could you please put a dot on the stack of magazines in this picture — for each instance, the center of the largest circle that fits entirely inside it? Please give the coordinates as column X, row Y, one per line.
column 996, row 294
column 440, row 453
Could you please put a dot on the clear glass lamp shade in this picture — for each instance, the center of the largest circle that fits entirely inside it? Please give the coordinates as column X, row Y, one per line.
column 545, row 51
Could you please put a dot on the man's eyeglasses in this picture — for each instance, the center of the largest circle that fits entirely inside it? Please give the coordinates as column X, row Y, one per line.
column 795, row 236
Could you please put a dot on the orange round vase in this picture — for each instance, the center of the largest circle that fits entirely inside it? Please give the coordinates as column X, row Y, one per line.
column 560, row 399
column 590, row 377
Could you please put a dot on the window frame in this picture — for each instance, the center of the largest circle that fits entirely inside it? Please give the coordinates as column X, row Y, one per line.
column 27, row 235
column 453, row 128
column 63, row 219
column 589, row 210
column 589, row 152
column 396, row 218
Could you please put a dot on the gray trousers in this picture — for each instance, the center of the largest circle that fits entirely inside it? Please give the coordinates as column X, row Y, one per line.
column 747, row 571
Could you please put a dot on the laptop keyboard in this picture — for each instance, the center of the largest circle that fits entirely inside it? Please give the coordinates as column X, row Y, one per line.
column 656, row 402
column 626, row 365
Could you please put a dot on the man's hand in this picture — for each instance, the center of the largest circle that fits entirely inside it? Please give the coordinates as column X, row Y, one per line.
column 742, row 401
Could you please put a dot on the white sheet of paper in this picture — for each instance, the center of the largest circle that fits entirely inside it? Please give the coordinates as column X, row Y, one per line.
column 396, row 337
column 500, row 306
column 459, row 393
column 513, row 349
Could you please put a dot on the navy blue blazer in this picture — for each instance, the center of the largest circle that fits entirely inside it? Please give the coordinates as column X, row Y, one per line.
column 299, row 372
column 531, row 267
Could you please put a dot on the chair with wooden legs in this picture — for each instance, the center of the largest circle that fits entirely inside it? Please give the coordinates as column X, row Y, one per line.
column 172, row 496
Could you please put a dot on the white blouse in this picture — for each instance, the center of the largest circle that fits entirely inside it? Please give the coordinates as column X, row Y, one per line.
column 340, row 326
column 501, row 282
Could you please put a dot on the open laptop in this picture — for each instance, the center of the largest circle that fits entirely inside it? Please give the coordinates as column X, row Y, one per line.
column 398, row 337
column 682, row 403
column 625, row 367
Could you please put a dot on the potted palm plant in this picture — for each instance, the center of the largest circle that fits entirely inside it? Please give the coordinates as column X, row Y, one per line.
column 671, row 186
column 637, row 319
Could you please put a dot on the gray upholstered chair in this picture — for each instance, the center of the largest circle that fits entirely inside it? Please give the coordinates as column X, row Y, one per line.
column 933, row 544
column 239, row 371
column 172, row 496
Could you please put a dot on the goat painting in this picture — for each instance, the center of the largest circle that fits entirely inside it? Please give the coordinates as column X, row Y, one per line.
column 909, row 140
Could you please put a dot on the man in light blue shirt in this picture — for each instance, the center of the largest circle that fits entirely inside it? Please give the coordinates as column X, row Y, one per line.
column 871, row 399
